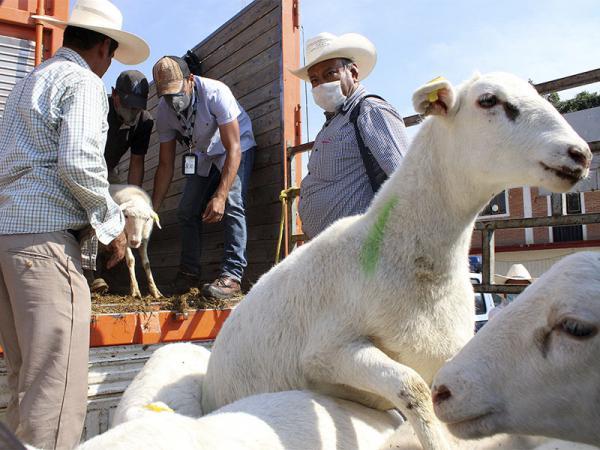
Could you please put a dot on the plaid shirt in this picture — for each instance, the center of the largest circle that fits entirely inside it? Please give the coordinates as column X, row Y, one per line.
column 52, row 171
column 337, row 184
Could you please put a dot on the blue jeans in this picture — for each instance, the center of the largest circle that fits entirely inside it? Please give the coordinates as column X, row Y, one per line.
column 197, row 193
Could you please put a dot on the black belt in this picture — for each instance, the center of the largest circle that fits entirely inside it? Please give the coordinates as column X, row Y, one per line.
column 74, row 233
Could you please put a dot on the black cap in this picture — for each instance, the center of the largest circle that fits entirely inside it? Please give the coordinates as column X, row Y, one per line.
column 133, row 89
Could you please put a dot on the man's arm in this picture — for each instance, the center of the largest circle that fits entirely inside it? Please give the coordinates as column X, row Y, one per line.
column 81, row 164
column 230, row 137
column 164, row 172
column 136, row 170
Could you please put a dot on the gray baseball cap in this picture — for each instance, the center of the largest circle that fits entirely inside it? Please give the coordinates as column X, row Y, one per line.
column 133, row 89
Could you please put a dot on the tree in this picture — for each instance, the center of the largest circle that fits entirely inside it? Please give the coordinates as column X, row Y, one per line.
column 583, row 100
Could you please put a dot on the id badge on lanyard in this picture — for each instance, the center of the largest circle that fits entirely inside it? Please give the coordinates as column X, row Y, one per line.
column 189, row 163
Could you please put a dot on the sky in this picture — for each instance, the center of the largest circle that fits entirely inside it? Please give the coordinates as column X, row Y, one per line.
column 415, row 40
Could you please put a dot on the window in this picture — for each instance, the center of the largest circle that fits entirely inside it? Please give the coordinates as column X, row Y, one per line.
column 572, row 205
column 498, row 206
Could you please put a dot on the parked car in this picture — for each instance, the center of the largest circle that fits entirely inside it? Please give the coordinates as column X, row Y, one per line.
column 484, row 303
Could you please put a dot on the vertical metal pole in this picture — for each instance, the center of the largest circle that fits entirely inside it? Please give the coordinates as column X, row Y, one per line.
column 39, row 34
column 488, row 254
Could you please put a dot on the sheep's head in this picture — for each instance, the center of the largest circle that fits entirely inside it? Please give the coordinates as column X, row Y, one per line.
column 533, row 368
column 508, row 134
column 139, row 220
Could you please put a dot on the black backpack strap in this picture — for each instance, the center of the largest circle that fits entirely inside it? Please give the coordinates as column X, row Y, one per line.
column 374, row 171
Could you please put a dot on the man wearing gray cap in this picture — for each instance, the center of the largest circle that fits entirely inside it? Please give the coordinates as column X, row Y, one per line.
column 129, row 126
column 205, row 117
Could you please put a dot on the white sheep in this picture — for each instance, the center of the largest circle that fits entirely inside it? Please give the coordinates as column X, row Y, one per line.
column 173, row 376
column 293, row 420
column 372, row 307
column 139, row 220
column 535, row 368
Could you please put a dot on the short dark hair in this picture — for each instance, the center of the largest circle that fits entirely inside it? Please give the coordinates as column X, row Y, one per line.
column 83, row 39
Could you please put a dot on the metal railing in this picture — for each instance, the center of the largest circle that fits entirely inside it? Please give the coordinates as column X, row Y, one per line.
column 488, row 229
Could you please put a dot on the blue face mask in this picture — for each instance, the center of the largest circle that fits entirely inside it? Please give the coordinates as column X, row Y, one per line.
column 179, row 102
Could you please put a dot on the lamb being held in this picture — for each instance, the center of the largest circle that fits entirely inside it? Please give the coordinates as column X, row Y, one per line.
column 139, row 220
column 371, row 308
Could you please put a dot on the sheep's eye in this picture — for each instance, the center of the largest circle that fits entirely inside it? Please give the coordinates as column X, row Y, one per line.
column 126, row 216
column 578, row 329
column 488, row 101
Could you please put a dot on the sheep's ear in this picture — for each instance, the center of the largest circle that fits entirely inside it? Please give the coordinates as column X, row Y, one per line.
column 436, row 97
column 156, row 219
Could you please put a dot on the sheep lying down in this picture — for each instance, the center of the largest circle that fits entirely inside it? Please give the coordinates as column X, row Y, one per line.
column 290, row 420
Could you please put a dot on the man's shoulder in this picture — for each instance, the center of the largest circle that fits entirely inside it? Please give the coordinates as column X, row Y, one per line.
column 146, row 117
column 373, row 101
column 213, row 86
column 145, row 122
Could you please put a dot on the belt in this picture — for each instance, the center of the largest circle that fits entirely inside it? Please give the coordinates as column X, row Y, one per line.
column 74, row 233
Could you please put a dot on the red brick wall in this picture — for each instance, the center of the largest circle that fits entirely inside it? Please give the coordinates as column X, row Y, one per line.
column 592, row 205
column 539, row 207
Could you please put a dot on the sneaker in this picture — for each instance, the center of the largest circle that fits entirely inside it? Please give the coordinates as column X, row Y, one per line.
column 183, row 282
column 99, row 286
column 223, row 287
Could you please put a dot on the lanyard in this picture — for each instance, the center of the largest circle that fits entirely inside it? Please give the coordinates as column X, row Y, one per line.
column 188, row 124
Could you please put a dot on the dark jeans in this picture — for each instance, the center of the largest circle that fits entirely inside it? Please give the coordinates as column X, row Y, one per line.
column 197, row 193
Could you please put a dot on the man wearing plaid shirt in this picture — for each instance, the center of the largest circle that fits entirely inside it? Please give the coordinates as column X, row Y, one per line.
column 52, row 186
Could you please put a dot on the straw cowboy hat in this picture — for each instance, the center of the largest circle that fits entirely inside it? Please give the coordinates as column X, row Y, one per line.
column 516, row 272
column 105, row 18
column 352, row 46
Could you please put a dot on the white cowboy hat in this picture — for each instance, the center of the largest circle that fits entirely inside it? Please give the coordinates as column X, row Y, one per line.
column 516, row 272
column 352, row 46
column 105, row 18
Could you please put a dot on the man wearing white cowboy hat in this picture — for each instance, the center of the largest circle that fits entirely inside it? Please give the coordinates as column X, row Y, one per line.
column 363, row 139
column 52, row 187
column 517, row 274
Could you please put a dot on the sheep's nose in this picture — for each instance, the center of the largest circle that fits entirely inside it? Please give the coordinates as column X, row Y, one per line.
column 580, row 155
column 440, row 394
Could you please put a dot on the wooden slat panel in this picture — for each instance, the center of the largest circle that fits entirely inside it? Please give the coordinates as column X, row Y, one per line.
column 244, row 19
column 259, row 28
column 247, row 53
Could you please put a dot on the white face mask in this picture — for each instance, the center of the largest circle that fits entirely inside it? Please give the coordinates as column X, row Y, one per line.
column 329, row 96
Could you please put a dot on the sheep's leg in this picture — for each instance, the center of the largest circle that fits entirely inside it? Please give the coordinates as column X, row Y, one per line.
column 133, row 284
column 146, row 263
column 362, row 366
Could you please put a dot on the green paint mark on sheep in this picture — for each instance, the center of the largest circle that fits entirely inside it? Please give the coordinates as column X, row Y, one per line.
column 369, row 255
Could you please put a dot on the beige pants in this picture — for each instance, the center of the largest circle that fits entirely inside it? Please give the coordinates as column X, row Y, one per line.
column 44, row 330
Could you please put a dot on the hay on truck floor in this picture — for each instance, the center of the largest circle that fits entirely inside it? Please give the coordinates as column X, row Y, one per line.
column 111, row 304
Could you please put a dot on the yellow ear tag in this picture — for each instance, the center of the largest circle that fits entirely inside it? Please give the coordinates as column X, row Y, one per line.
column 433, row 96
column 158, row 407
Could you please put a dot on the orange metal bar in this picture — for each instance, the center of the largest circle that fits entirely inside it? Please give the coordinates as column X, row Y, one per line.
column 155, row 327
column 39, row 34
column 292, row 134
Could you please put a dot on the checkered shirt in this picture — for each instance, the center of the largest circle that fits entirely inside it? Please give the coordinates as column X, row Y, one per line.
column 52, row 171
column 337, row 184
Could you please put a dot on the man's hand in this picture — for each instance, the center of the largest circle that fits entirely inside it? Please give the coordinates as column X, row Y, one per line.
column 117, row 250
column 214, row 210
